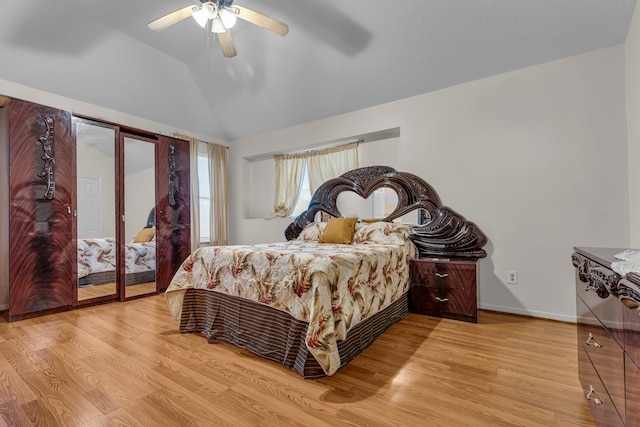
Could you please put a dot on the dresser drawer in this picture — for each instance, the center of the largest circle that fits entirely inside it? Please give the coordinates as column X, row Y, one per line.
column 602, row 409
column 632, row 381
column 608, row 309
column 632, row 333
column 630, row 298
column 604, row 352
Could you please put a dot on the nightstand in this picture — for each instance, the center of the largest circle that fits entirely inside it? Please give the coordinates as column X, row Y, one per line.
column 444, row 287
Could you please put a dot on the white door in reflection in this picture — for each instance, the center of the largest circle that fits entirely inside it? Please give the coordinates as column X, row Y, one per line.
column 89, row 207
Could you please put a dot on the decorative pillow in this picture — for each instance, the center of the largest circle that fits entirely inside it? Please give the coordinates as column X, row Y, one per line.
column 383, row 232
column 145, row 235
column 312, row 232
column 370, row 220
column 339, row 230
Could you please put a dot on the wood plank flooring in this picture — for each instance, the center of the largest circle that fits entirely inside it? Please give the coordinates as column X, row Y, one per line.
column 105, row 289
column 126, row 364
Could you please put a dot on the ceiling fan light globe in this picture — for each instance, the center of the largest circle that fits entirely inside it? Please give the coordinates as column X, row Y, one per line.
column 201, row 17
column 228, row 17
column 217, row 26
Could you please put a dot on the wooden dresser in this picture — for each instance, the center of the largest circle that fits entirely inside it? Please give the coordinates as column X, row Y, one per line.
column 608, row 323
column 444, row 287
column 42, row 168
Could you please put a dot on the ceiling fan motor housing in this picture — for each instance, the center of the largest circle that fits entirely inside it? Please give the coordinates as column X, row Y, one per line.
column 219, row 3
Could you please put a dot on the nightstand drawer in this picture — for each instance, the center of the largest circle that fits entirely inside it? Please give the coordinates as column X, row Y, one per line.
column 455, row 303
column 444, row 288
column 439, row 273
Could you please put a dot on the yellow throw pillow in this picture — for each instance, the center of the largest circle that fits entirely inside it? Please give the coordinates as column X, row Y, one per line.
column 339, row 230
column 145, row 235
column 370, row 220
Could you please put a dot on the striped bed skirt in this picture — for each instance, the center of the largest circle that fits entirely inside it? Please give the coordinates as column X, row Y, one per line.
column 274, row 334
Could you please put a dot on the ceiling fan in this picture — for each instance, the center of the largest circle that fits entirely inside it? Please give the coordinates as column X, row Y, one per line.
column 221, row 15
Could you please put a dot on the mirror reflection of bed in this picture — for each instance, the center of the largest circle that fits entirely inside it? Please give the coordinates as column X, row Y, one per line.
column 96, row 208
column 97, row 196
column 139, row 207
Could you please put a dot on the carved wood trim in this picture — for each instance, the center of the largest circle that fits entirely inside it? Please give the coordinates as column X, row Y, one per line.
column 598, row 279
column 602, row 281
column 174, row 180
column 47, row 175
column 447, row 233
column 173, row 223
column 629, row 290
column 582, row 266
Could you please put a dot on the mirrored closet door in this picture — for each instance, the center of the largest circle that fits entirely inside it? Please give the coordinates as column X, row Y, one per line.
column 96, row 227
column 115, row 213
column 139, row 215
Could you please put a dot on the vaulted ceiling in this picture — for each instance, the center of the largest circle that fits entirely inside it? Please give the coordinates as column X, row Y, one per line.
column 339, row 56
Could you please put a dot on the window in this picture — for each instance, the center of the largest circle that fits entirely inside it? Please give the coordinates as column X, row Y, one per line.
column 298, row 174
column 304, row 196
column 204, row 192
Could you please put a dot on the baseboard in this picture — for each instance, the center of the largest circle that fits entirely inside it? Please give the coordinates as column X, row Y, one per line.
column 525, row 312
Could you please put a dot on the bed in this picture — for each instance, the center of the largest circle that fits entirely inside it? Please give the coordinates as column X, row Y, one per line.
column 318, row 299
column 97, row 260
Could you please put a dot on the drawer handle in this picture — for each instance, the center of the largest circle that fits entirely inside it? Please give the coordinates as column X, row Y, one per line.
column 595, row 399
column 595, row 341
column 442, row 275
column 442, row 299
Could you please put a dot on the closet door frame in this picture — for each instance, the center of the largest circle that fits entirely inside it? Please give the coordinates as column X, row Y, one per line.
column 122, row 212
column 75, row 121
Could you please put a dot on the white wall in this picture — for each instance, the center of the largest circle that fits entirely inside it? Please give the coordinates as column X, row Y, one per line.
column 535, row 157
column 632, row 49
column 139, row 198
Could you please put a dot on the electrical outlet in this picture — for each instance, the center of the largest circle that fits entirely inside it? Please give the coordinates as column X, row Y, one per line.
column 512, row 277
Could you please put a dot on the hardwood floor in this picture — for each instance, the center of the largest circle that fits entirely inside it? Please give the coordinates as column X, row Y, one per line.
column 95, row 291
column 105, row 289
column 127, row 364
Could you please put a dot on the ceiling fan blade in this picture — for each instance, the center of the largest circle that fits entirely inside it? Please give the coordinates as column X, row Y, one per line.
column 261, row 20
column 227, row 45
column 174, row 17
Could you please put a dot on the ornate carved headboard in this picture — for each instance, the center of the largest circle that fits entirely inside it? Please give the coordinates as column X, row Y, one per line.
column 445, row 233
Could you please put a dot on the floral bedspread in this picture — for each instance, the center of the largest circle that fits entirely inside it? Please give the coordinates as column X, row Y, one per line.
column 96, row 255
column 330, row 286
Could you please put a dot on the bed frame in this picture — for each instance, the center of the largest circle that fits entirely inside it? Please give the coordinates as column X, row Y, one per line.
column 277, row 336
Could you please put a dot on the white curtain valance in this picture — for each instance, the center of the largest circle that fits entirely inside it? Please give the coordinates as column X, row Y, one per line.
column 321, row 165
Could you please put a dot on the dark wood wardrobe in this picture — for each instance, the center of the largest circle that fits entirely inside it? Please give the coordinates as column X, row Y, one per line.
column 38, row 260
